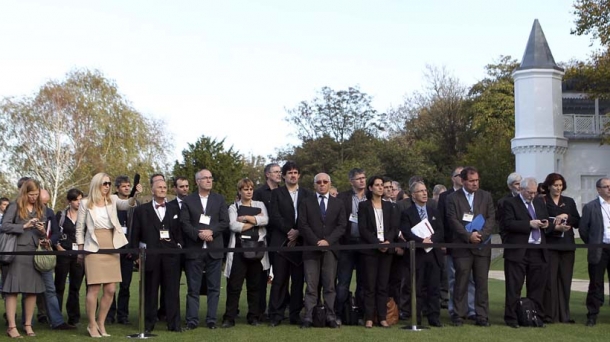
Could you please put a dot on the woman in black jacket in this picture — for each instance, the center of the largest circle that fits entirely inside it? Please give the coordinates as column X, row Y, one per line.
column 378, row 224
column 561, row 266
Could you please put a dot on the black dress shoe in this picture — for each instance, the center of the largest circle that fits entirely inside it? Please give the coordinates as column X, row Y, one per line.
column 178, row 330
column 306, row 325
column 548, row 320
column 570, row 321
column 211, row 325
column 191, row 326
column 275, row 322
column 124, row 321
column 404, row 316
column 332, row 324
column 472, row 317
column 64, row 326
column 254, row 323
column 435, row 323
column 482, row 323
column 228, row 324
column 295, row 322
column 457, row 322
column 513, row 325
column 591, row 322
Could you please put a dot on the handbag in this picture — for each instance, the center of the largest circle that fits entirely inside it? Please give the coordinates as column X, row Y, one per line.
column 8, row 243
column 42, row 262
column 249, row 239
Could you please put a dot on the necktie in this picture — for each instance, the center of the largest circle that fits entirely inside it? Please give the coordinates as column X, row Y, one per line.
column 322, row 207
column 157, row 206
column 470, row 200
column 422, row 213
column 535, row 232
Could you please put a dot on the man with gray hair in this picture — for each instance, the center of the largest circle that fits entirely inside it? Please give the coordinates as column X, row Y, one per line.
column 322, row 223
column 525, row 220
column 513, row 181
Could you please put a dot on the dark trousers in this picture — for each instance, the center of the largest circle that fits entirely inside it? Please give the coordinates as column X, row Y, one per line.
column 241, row 269
column 534, row 269
column 67, row 264
column 397, row 270
column 163, row 271
column 595, row 294
column 349, row 260
column 405, row 285
column 120, row 305
column 559, row 285
column 320, row 271
column 194, row 277
column 285, row 273
column 376, row 277
column 428, row 275
column 444, row 285
column 479, row 266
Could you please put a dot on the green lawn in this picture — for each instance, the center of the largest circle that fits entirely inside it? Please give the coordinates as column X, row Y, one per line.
column 243, row 332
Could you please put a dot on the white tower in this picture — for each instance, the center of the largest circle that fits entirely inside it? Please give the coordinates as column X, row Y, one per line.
column 539, row 143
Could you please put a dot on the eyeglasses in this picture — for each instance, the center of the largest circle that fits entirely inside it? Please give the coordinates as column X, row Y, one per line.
column 323, row 181
column 107, row 184
column 206, row 178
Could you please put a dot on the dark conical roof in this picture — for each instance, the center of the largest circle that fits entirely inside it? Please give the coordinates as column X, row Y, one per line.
column 537, row 52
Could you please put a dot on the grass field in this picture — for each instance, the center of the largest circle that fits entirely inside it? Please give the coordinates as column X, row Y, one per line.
column 243, row 332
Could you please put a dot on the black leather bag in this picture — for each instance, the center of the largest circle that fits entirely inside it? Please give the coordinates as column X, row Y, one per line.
column 318, row 316
column 527, row 314
column 249, row 238
column 351, row 312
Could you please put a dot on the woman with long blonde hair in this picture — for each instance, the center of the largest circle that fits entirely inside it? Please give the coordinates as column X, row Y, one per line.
column 26, row 219
column 98, row 228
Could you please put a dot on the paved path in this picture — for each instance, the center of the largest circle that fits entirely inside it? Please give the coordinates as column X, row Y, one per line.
column 577, row 284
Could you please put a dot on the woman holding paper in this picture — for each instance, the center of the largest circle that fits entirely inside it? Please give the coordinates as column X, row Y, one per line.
column 378, row 224
column 561, row 266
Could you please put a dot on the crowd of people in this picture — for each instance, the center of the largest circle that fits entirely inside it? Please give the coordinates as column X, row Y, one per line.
column 312, row 287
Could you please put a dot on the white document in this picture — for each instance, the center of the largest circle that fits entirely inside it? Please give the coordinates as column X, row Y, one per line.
column 423, row 230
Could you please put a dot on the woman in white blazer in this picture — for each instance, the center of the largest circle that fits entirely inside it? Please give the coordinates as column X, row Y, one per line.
column 98, row 227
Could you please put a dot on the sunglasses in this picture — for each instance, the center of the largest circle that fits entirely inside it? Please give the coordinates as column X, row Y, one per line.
column 106, row 184
column 322, row 182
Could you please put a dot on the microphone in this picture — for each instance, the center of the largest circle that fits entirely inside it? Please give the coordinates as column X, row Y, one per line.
column 136, row 181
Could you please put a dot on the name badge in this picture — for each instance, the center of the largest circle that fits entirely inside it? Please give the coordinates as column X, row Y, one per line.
column 204, row 219
column 380, row 234
column 164, row 234
column 353, row 218
column 124, row 230
column 74, row 247
column 468, row 217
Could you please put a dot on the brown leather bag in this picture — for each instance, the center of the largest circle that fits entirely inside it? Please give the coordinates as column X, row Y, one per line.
column 392, row 315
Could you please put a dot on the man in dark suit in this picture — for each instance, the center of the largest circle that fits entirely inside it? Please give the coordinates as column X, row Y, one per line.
column 513, row 181
column 156, row 226
column 462, row 207
column 428, row 265
column 349, row 260
column 524, row 221
column 594, row 229
column 181, row 189
column 204, row 217
column 273, row 177
column 322, row 222
column 287, row 266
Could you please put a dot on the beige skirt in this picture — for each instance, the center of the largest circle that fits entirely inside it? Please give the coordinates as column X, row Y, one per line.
column 103, row 268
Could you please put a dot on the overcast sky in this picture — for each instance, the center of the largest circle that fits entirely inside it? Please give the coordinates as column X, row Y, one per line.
column 228, row 69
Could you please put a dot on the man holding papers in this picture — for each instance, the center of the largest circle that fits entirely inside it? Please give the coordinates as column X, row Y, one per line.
column 422, row 223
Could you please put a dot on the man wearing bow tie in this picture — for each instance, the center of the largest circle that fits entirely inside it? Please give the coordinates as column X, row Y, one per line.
column 156, row 225
column 525, row 220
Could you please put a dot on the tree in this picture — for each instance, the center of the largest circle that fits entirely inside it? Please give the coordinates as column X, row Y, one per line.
column 74, row 128
column 593, row 17
column 336, row 114
column 254, row 169
column 226, row 165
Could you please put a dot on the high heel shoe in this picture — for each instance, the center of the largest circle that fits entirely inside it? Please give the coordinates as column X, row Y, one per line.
column 30, row 334
column 8, row 332
column 368, row 324
column 91, row 333
column 384, row 324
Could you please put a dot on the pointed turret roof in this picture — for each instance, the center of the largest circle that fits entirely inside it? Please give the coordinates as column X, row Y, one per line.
column 537, row 52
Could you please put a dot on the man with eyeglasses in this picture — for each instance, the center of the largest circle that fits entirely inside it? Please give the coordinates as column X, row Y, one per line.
column 322, row 223
column 525, row 220
column 287, row 266
column 349, row 260
column 462, row 207
column 595, row 229
column 204, row 217
column 273, row 178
